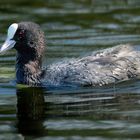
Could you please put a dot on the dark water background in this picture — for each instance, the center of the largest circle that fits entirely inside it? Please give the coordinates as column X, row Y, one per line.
column 72, row 28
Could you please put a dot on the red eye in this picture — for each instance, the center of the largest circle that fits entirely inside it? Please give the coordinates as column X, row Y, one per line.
column 21, row 34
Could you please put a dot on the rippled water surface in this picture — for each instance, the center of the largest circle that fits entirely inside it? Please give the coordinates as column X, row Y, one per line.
column 73, row 28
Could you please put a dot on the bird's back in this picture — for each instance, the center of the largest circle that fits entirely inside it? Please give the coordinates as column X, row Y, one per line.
column 103, row 67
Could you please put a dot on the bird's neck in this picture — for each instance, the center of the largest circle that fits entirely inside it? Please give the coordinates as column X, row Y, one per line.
column 28, row 71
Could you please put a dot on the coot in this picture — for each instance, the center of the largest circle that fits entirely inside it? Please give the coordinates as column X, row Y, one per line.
column 100, row 68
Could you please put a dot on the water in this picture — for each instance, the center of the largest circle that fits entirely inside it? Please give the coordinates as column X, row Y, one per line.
column 73, row 28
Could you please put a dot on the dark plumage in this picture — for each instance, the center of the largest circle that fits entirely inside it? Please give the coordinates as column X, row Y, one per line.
column 103, row 67
column 30, row 45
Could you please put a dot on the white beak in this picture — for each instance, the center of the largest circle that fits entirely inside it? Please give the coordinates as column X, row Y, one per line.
column 8, row 44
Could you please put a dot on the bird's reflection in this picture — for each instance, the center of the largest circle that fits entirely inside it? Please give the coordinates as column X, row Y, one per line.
column 30, row 111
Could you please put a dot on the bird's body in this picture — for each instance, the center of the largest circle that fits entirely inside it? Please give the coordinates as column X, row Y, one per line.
column 102, row 67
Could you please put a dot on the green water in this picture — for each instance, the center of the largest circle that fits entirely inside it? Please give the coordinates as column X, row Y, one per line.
column 73, row 28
